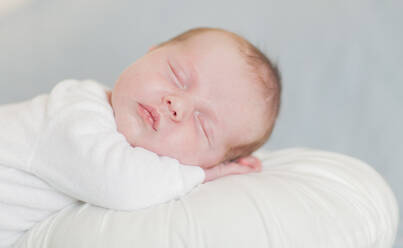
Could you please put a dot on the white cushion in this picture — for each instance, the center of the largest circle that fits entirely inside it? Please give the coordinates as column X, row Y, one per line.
column 303, row 198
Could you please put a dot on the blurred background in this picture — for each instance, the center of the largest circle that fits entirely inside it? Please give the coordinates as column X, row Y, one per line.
column 341, row 61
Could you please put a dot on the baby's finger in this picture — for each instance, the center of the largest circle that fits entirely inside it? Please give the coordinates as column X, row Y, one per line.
column 237, row 168
column 250, row 161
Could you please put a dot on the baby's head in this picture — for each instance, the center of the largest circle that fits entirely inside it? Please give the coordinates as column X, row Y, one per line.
column 214, row 95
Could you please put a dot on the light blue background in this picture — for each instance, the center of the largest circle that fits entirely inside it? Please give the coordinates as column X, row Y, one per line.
column 341, row 61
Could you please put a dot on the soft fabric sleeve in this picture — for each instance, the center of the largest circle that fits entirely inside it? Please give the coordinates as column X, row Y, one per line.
column 81, row 153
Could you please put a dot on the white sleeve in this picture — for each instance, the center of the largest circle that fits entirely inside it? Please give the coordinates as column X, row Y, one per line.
column 81, row 153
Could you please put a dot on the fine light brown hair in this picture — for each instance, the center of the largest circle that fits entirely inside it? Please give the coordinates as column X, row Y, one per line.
column 267, row 76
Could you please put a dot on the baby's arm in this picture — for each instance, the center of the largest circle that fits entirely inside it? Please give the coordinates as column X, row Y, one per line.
column 80, row 153
column 103, row 169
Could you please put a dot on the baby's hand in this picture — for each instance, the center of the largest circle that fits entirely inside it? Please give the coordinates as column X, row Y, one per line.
column 242, row 165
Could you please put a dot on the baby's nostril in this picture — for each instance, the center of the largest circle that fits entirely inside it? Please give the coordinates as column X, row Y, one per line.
column 174, row 113
column 169, row 102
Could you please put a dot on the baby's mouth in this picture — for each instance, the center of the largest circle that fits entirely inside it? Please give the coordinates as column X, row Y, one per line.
column 149, row 114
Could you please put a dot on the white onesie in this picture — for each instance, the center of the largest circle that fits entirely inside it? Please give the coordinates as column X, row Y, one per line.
column 60, row 148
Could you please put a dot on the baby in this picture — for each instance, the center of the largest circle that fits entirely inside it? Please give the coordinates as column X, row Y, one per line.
column 191, row 110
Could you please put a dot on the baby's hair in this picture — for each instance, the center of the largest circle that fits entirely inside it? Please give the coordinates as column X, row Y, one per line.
column 266, row 74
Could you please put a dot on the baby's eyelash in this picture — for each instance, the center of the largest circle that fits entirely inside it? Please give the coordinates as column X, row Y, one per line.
column 201, row 125
column 175, row 77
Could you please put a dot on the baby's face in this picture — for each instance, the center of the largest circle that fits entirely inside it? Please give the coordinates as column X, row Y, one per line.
column 202, row 95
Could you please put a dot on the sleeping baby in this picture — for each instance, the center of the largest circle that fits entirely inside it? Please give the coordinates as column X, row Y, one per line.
column 193, row 109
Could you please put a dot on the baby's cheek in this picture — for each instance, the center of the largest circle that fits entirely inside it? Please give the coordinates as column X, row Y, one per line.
column 125, row 128
column 183, row 137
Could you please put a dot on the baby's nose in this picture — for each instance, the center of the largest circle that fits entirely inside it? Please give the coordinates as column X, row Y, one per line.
column 177, row 106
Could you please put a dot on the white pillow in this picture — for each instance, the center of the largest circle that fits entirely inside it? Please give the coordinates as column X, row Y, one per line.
column 303, row 198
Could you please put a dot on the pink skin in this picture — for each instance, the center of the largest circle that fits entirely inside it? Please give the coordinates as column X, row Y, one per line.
column 197, row 87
